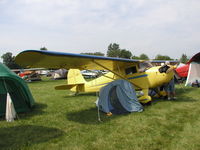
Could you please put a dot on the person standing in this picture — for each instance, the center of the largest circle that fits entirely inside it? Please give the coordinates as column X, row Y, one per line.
column 170, row 86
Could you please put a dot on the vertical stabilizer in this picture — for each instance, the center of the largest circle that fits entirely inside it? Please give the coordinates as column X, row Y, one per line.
column 74, row 76
column 75, row 81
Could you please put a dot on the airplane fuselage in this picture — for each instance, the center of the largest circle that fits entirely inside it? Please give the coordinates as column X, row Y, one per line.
column 151, row 78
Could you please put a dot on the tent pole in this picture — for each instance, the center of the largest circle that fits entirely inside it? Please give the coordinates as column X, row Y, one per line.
column 98, row 111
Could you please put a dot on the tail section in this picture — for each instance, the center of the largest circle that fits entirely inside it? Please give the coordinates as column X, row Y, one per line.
column 74, row 76
column 75, row 81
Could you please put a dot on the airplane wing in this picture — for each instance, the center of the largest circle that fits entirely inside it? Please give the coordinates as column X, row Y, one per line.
column 163, row 61
column 51, row 59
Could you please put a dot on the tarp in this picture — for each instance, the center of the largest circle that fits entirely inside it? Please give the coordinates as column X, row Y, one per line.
column 17, row 89
column 195, row 58
column 10, row 110
column 193, row 74
column 60, row 74
column 118, row 97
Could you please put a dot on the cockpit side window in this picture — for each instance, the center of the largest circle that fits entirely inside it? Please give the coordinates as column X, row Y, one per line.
column 143, row 66
column 131, row 70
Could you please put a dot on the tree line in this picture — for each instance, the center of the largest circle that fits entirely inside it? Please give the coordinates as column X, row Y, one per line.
column 113, row 50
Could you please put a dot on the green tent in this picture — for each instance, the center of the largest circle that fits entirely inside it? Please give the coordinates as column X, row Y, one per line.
column 17, row 88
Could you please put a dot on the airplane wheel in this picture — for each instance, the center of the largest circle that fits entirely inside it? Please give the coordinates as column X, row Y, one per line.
column 145, row 99
column 147, row 104
column 76, row 93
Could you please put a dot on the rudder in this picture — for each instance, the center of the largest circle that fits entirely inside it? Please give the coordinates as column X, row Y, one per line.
column 75, row 81
column 74, row 76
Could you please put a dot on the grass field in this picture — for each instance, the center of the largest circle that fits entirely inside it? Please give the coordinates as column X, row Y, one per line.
column 61, row 121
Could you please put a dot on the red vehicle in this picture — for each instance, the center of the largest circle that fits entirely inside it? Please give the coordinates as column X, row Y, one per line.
column 182, row 71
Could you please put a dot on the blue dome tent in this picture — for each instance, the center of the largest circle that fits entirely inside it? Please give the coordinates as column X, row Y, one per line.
column 118, row 97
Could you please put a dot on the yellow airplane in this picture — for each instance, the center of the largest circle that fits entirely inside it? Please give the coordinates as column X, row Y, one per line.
column 140, row 73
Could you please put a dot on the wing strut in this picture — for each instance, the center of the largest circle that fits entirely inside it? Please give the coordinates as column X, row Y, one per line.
column 116, row 73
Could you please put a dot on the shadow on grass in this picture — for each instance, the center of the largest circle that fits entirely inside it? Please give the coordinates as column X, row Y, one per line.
column 79, row 95
column 90, row 116
column 46, row 79
column 182, row 90
column 181, row 97
column 19, row 136
column 36, row 110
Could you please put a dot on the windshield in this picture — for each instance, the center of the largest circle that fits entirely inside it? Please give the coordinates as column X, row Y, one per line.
column 143, row 66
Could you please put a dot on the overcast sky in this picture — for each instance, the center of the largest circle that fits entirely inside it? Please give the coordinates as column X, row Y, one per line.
column 166, row 27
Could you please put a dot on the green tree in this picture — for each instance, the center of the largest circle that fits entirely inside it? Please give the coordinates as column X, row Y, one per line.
column 162, row 57
column 184, row 58
column 144, row 57
column 113, row 50
column 125, row 54
column 99, row 54
column 95, row 53
column 135, row 57
column 43, row 49
column 8, row 60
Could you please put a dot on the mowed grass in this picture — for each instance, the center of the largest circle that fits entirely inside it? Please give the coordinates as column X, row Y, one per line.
column 62, row 121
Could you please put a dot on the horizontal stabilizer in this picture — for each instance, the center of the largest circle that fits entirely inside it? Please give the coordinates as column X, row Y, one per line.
column 66, row 87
